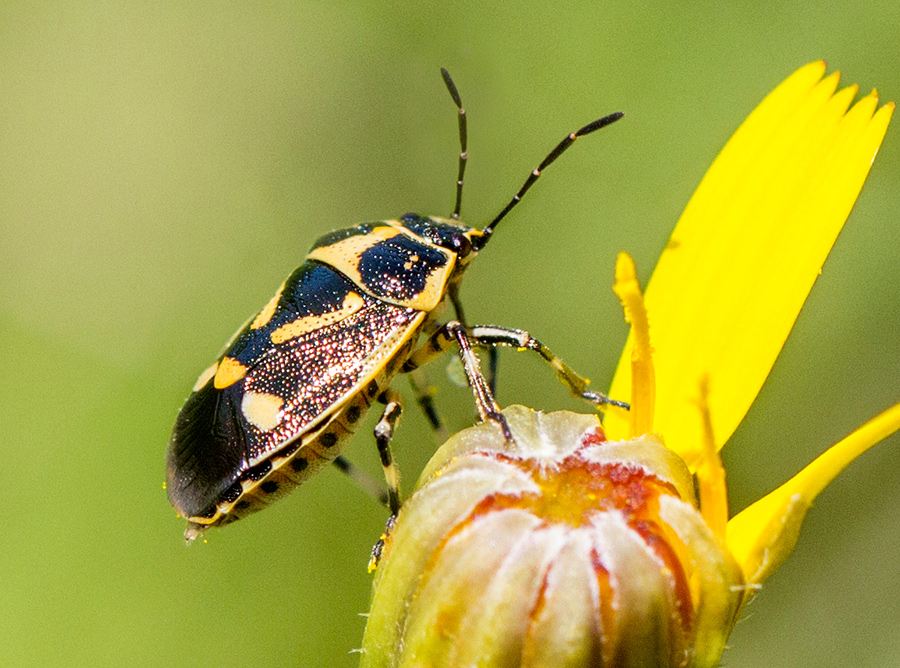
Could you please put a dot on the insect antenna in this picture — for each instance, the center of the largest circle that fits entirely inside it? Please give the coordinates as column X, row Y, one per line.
column 536, row 173
column 463, row 156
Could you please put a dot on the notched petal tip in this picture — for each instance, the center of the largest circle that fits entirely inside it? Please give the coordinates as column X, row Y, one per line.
column 721, row 299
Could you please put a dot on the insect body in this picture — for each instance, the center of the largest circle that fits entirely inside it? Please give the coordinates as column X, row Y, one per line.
column 296, row 380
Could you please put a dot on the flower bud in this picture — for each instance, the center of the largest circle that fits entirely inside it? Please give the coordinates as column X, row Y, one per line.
column 561, row 549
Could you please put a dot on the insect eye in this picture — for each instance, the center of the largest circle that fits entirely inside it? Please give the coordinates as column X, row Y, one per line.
column 461, row 245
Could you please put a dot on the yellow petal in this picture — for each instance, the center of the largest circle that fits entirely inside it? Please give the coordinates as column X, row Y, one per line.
column 747, row 251
column 643, row 390
column 711, row 485
column 762, row 536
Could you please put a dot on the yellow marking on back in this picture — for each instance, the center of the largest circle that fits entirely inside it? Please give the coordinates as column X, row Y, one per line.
column 345, row 254
column 352, row 303
column 268, row 311
column 262, row 410
column 204, row 377
column 435, row 286
column 230, row 371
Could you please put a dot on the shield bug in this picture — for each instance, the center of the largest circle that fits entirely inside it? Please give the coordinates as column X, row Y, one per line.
column 295, row 381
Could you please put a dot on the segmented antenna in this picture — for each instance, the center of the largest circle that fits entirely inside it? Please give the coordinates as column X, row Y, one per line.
column 535, row 174
column 463, row 156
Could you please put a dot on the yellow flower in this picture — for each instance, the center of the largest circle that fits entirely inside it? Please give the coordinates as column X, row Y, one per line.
column 586, row 546
column 728, row 288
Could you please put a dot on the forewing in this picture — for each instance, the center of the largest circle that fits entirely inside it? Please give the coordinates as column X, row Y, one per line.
column 310, row 348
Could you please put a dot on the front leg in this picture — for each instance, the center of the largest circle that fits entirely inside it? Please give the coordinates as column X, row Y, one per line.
column 490, row 335
column 493, row 356
column 441, row 341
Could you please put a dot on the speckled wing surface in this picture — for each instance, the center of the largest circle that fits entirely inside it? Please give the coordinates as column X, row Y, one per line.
column 310, row 348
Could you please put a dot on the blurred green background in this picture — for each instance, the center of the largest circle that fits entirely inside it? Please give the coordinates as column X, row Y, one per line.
column 163, row 168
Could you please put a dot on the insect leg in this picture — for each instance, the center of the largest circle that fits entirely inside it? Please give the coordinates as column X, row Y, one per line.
column 490, row 335
column 384, row 431
column 363, row 479
column 425, row 398
column 493, row 367
column 440, row 342
column 378, row 548
column 493, row 356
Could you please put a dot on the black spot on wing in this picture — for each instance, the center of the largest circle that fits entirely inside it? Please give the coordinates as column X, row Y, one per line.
column 399, row 267
column 313, row 289
column 207, row 451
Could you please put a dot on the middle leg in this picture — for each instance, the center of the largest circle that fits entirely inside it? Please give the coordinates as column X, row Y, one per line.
column 454, row 332
column 384, row 431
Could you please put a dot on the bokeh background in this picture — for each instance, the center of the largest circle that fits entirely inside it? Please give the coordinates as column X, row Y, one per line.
column 162, row 168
